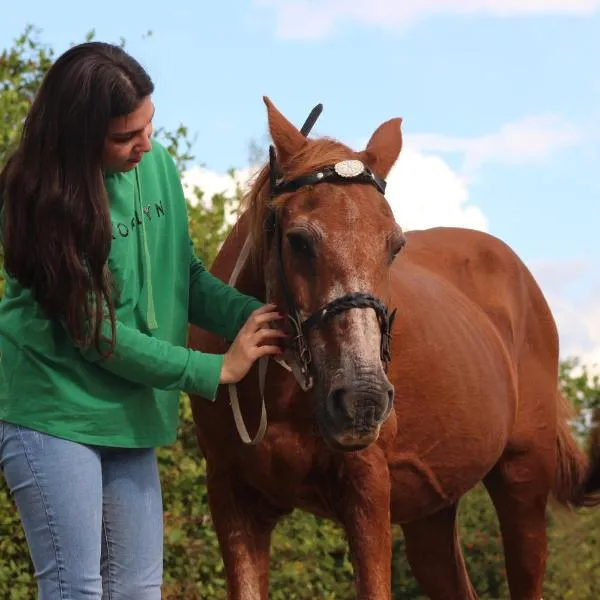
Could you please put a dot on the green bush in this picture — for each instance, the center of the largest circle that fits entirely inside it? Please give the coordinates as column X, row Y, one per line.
column 16, row 572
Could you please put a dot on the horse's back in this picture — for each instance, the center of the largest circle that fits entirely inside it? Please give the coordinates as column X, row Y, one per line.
column 470, row 319
column 489, row 273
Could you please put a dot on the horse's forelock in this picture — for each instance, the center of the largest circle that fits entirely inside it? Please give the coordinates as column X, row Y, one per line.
column 314, row 156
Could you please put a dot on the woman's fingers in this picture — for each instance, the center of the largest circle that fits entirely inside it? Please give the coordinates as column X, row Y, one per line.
column 264, row 314
column 267, row 332
column 258, row 337
column 261, row 351
column 259, row 321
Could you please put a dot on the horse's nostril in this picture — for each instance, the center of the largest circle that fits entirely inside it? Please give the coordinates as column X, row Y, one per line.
column 337, row 403
column 337, row 398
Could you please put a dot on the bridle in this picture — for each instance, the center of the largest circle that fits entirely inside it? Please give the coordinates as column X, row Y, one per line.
column 344, row 172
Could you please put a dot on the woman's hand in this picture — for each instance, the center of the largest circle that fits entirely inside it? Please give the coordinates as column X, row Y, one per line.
column 254, row 340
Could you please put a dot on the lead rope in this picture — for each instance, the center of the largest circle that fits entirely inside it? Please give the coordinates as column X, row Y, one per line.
column 262, row 374
column 237, row 413
column 263, row 363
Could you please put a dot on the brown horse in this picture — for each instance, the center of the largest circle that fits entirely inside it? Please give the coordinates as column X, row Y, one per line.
column 470, row 393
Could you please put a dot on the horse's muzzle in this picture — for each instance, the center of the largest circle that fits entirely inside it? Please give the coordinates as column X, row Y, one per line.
column 352, row 413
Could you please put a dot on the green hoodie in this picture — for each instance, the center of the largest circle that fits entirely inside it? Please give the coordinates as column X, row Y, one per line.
column 131, row 399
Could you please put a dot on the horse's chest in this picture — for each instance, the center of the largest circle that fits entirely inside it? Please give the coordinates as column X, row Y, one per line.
column 287, row 469
column 282, row 456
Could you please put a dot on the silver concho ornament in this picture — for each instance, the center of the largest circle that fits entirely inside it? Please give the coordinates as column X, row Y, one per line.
column 349, row 168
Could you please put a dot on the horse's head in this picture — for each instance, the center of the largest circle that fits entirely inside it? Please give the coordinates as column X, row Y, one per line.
column 329, row 238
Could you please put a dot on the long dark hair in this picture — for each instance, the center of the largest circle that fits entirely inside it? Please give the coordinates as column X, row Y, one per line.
column 56, row 228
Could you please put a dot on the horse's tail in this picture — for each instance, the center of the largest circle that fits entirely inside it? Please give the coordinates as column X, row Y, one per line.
column 576, row 482
column 590, row 489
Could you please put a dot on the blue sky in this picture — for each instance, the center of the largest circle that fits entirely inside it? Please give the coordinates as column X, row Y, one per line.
column 501, row 106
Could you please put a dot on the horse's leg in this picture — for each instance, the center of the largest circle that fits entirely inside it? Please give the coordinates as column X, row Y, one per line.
column 519, row 486
column 243, row 523
column 434, row 554
column 364, row 508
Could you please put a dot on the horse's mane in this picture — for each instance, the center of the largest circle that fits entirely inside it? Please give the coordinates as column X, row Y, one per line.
column 315, row 155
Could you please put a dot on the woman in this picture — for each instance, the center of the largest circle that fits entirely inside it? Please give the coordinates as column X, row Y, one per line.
column 102, row 280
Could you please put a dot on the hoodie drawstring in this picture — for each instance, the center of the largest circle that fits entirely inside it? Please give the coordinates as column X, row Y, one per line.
column 146, row 266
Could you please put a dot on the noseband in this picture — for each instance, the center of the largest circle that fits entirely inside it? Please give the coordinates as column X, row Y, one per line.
column 344, row 172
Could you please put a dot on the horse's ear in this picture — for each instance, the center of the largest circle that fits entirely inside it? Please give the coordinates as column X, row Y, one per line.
column 384, row 147
column 287, row 139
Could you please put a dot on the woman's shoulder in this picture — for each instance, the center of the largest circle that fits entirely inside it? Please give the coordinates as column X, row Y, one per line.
column 159, row 156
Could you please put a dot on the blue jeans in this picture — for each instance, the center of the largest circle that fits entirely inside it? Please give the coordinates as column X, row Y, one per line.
column 92, row 516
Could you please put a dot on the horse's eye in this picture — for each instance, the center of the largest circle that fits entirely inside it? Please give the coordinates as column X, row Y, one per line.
column 397, row 244
column 301, row 244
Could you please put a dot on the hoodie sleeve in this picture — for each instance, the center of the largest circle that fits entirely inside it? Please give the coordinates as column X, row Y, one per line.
column 214, row 305
column 142, row 359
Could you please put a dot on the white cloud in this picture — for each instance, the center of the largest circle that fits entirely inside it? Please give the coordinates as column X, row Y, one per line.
column 424, row 191
column 303, row 19
column 571, row 289
column 212, row 183
column 532, row 139
column 579, row 326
